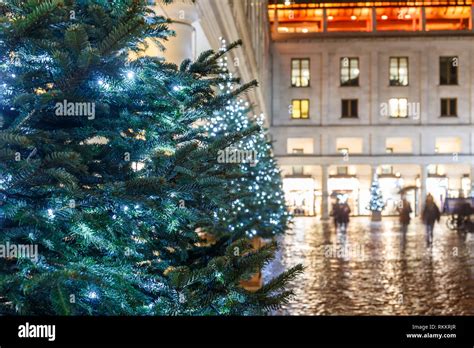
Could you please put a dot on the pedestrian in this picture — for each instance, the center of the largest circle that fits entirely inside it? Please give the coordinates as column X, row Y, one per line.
column 335, row 213
column 429, row 216
column 464, row 212
column 344, row 212
column 404, row 211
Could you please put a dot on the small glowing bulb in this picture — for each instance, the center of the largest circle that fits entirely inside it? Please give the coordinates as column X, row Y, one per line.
column 92, row 295
column 130, row 75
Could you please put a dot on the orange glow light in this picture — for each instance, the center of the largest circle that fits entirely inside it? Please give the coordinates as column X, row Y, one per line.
column 339, row 16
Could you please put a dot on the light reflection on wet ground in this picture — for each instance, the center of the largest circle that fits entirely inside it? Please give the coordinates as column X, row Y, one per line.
column 370, row 270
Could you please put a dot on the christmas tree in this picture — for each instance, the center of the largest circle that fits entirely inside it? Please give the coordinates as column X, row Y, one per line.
column 376, row 203
column 104, row 173
column 259, row 210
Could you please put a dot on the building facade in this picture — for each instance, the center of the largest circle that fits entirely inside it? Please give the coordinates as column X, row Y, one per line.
column 360, row 88
column 350, row 89
column 200, row 26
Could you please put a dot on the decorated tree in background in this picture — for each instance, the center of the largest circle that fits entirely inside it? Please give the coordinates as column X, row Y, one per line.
column 376, row 203
column 258, row 207
column 103, row 169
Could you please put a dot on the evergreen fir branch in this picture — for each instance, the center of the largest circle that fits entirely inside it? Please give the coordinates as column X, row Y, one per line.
column 41, row 11
column 278, row 283
column 14, row 138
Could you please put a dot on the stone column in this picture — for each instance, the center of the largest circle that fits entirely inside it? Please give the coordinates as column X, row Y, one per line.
column 325, row 20
column 373, row 171
column 324, row 193
column 183, row 14
column 373, row 20
column 423, row 19
column 472, row 180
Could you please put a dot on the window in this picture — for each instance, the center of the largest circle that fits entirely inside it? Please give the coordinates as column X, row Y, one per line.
column 298, row 170
column 398, row 107
column 349, row 108
column 300, row 72
column 449, row 107
column 342, row 170
column 343, row 150
column 448, row 145
column 398, row 71
column 448, row 70
column 398, row 145
column 300, row 145
column 350, row 145
column 386, row 169
column 300, row 108
column 350, row 71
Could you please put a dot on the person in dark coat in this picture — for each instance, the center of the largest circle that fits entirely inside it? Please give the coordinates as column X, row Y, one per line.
column 464, row 212
column 336, row 210
column 404, row 211
column 344, row 212
column 430, row 215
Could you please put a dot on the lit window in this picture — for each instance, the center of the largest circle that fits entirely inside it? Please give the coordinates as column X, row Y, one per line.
column 298, row 170
column 342, row 170
column 300, row 74
column 343, row 151
column 398, row 145
column 350, row 71
column 448, row 70
column 353, row 145
column 300, row 108
column 398, row 107
column 448, row 145
column 398, row 71
column 386, row 170
column 300, row 146
column 349, row 108
column 449, row 107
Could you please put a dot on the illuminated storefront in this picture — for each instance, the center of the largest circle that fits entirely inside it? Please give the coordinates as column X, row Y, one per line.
column 300, row 195
column 391, row 186
column 438, row 186
column 346, row 186
column 303, row 17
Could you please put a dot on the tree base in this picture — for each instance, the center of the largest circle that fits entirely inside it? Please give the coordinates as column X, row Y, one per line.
column 376, row 216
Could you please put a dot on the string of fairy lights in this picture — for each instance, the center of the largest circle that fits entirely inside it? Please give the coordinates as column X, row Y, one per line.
column 234, row 118
column 264, row 171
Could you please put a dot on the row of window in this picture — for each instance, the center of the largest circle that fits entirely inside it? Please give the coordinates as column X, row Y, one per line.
column 397, row 108
column 398, row 71
column 393, row 145
column 384, row 169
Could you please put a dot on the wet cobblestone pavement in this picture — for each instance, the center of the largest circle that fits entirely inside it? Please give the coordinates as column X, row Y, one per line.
column 371, row 270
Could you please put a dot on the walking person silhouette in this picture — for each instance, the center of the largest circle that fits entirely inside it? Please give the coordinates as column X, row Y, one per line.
column 430, row 215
